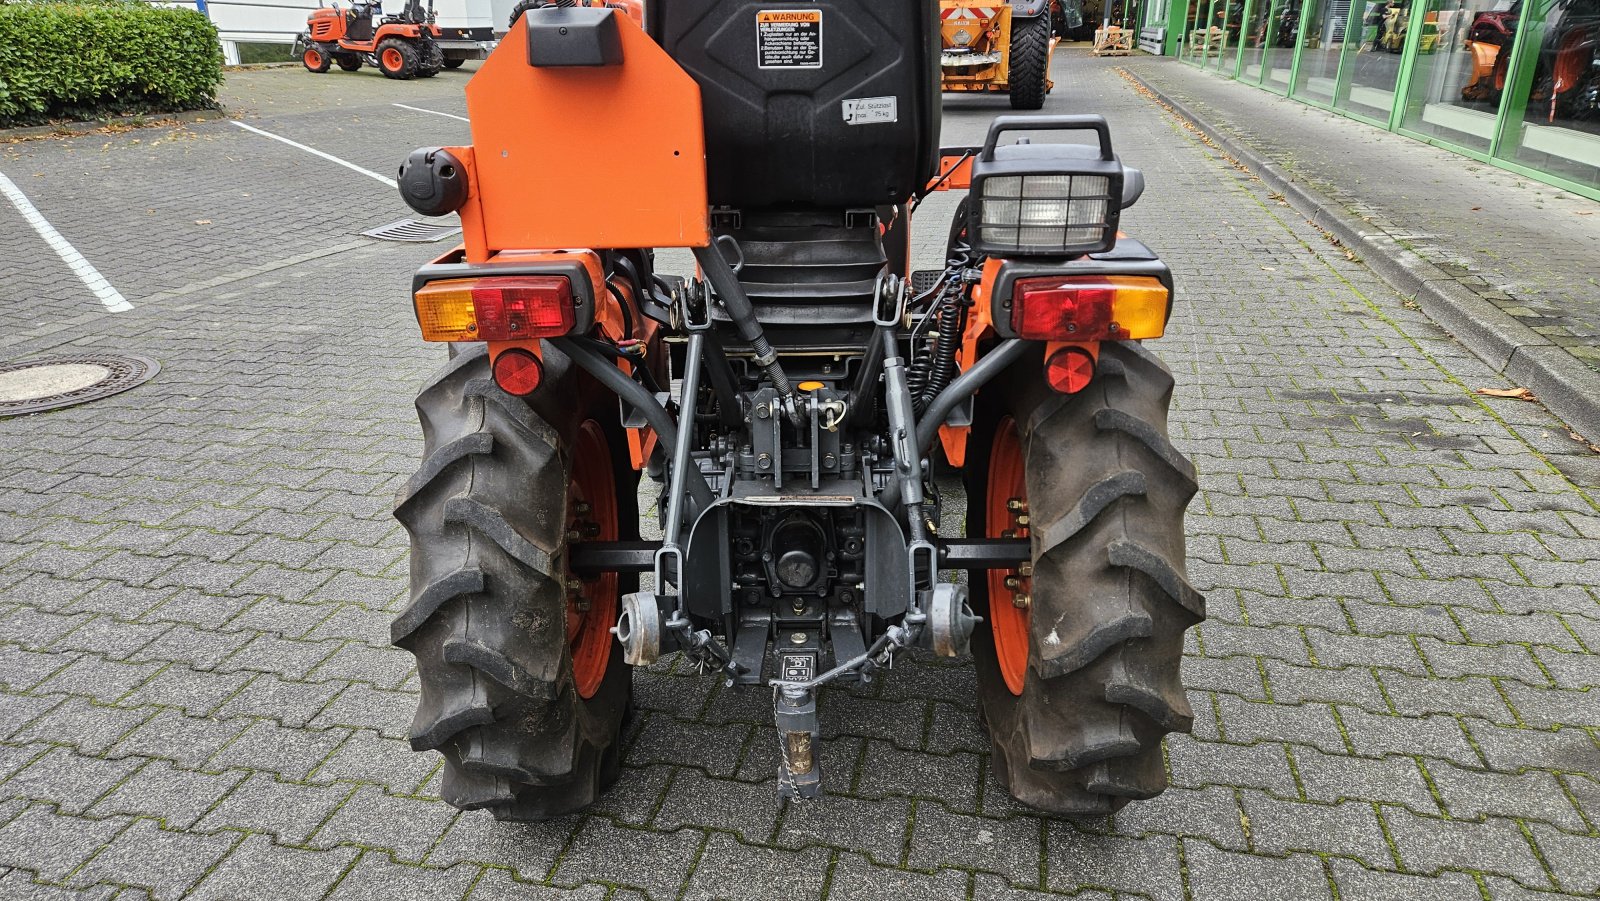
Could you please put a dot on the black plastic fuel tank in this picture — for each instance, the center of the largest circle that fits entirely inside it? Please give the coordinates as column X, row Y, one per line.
column 833, row 103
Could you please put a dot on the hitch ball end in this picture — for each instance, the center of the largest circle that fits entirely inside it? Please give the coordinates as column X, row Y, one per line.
column 638, row 628
column 950, row 620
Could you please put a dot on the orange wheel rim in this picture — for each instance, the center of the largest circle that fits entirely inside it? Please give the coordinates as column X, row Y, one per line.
column 591, row 516
column 1006, row 500
column 392, row 59
column 312, row 58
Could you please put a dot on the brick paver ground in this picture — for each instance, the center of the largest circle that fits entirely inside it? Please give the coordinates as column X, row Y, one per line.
column 1526, row 247
column 1394, row 694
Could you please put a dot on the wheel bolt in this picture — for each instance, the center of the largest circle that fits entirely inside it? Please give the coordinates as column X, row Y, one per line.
column 1022, row 601
column 580, row 508
column 1022, row 519
column 1012, row 582
column 1025, row 569
column 1016, row 503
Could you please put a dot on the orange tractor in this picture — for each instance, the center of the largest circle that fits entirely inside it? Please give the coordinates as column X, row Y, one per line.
column 791, row 395
column 997, row 46
column 401, row 46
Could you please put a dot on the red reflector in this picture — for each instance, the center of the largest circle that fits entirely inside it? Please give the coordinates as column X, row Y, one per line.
column 1051, row 309
column 515, row 307
column 1069, row 370
column 517, row 372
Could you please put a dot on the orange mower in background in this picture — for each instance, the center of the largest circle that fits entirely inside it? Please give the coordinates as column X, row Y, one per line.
column 401, row 46
column 1000, row 47
column 790, row 395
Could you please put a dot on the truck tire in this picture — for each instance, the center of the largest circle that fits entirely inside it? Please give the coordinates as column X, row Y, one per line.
column 523, row 690
column 1029, row 62
column 398, row 58
column 1079, row 683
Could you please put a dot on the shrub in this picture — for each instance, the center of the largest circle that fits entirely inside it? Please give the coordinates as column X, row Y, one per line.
column 85, row 59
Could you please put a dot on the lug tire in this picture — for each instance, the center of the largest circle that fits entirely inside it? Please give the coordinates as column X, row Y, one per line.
column 432, row 60
column 489, row 621
column 1029, row 62
column 349, row 63
column 453, row 63
column 522, row 7
column 1096, row 656
column 315, row 59
column 398, row 58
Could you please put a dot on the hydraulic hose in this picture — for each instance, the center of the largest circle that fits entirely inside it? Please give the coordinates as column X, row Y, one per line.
column 743, row 315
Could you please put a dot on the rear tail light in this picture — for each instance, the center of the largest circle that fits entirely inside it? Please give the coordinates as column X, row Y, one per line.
column 1069, row 370
column 1089, row 308
column 517, row 371
column 497, row 308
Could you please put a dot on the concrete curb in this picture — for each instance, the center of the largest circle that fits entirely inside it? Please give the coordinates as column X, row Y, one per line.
column 1570, row 389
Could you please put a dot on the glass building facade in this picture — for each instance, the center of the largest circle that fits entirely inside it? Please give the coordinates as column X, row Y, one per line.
column 1515, row 83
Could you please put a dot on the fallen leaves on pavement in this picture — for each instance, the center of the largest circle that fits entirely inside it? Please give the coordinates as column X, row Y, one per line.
column 1518, row 393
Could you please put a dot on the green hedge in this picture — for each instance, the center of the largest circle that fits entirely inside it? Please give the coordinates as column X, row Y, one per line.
column 81, row 60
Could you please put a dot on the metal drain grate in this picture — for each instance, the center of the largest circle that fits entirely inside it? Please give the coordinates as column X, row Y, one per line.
column 413, row 231
column 64, row 381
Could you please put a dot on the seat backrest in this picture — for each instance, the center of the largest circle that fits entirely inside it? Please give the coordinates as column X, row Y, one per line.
column 825, row 104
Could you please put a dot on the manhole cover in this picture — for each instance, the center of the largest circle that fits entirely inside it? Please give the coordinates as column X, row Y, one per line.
column 413, row 231
column 46, row 384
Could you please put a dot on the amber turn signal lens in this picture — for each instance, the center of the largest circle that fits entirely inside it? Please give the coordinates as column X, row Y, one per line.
column 1089, row 308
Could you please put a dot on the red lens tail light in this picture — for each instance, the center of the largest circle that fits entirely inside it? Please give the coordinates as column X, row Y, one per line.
column 1092, row 308
column 1051, row 309
column 516, row 307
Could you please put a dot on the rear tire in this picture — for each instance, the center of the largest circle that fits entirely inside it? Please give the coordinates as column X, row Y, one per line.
column 1029, row 62
column 349, row 63
column 1078, row 689
column 398, row 58
column 453, row 63
column 315, row 59
column 523, row 691
column 431, row 61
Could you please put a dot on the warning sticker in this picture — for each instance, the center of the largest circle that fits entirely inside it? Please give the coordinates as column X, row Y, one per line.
column 868, row 110
column 789, row 38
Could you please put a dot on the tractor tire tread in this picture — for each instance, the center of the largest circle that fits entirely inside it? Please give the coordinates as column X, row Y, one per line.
column 487, row 618
column 411, row 60
column 1110, row 601
column 1028, row 62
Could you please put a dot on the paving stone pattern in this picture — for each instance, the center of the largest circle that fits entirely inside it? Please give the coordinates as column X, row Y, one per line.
column 1525, row 247
column 1394, row 694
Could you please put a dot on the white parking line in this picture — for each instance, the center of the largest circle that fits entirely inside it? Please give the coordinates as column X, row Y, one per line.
column 419, row 109
column 112, row 299
column 312, row 150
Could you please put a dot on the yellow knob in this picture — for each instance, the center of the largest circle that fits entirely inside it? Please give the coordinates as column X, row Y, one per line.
column 811, row 386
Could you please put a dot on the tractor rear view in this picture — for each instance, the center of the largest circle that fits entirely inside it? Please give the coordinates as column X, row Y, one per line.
column 788, row 397
column 998, row 46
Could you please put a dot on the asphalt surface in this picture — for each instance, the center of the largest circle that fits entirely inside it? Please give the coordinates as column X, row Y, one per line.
column 1394, row 693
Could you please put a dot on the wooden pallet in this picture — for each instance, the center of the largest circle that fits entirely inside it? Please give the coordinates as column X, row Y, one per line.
column 1113, row 41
